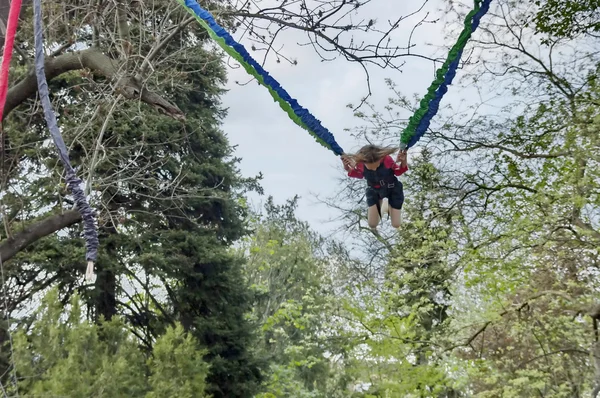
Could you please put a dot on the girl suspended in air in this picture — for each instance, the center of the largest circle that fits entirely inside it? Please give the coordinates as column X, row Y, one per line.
column 374, row 164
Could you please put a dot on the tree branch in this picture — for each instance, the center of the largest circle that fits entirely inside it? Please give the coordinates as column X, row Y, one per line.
column 123, row 28
column 348, row 52
column 478, row 144
column 98, row 63
column 161, row 44
column 585, row 226
column 36, row 231
column 499, row 187
column 517, row 308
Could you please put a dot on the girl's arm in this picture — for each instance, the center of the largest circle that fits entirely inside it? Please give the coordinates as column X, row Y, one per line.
column 399, row 168
column 354, row 171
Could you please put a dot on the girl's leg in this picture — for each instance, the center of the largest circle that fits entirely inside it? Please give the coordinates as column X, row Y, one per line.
column 396, row 200
column 395, row 215
column 373, row 216
column 385, row 208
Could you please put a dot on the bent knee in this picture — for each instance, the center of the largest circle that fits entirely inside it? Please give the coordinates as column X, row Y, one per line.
column 373, row 223
column 396, row 224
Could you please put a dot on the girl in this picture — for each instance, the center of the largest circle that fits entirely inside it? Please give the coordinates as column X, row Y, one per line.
column 375, row 164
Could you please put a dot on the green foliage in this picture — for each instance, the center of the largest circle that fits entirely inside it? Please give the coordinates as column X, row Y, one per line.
column 538, row 248
column 284, row 382
column 491, row 281
column 293, row 304
column 213, row 302
column 403, row 322
column 567, row 18
column 61, row 354
column 167, row 192
column 177, row 366
column 486, row 290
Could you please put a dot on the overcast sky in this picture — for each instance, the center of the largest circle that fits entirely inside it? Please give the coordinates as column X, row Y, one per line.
column 289, row 158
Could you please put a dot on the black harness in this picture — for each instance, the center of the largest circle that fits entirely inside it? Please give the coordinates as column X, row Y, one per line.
column 380, row 178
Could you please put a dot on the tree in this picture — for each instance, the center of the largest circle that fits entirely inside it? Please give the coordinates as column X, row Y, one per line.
column 167, row 191
column 488, row 289
column 567, row 18
column 294, row 305
column 62, row 354
column 514, row 264
column 524, row 177
column 404, row 314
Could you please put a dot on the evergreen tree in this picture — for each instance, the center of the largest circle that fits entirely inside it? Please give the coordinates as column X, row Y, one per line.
column 167, row 192
column 61, row 354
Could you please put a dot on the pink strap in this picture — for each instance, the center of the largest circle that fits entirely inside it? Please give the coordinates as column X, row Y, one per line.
column 9, row 40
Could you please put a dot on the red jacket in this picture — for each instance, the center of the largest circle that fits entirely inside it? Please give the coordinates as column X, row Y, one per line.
column 388, row 162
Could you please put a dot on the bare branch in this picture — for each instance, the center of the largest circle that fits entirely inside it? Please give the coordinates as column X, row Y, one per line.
column 123, row 28
column 158, row 47
column 516, row 308
column 366, row 53
column 478, row 144
column 330, row 30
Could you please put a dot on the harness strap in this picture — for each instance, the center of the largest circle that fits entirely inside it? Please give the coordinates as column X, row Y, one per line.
column 389, row 181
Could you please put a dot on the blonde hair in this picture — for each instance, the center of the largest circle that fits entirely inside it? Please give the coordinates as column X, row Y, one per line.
column 372, row 153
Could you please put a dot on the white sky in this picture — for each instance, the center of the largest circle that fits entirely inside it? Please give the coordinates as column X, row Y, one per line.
column 289, row 158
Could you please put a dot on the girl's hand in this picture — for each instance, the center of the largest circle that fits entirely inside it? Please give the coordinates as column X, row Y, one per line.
column 401, row 158
column 348, row 166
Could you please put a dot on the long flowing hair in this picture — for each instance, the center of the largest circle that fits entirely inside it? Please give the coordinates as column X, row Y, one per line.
column 372, row 153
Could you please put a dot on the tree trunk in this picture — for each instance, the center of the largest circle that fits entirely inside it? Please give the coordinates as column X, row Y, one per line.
column 106, row 291
column 105, row 294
